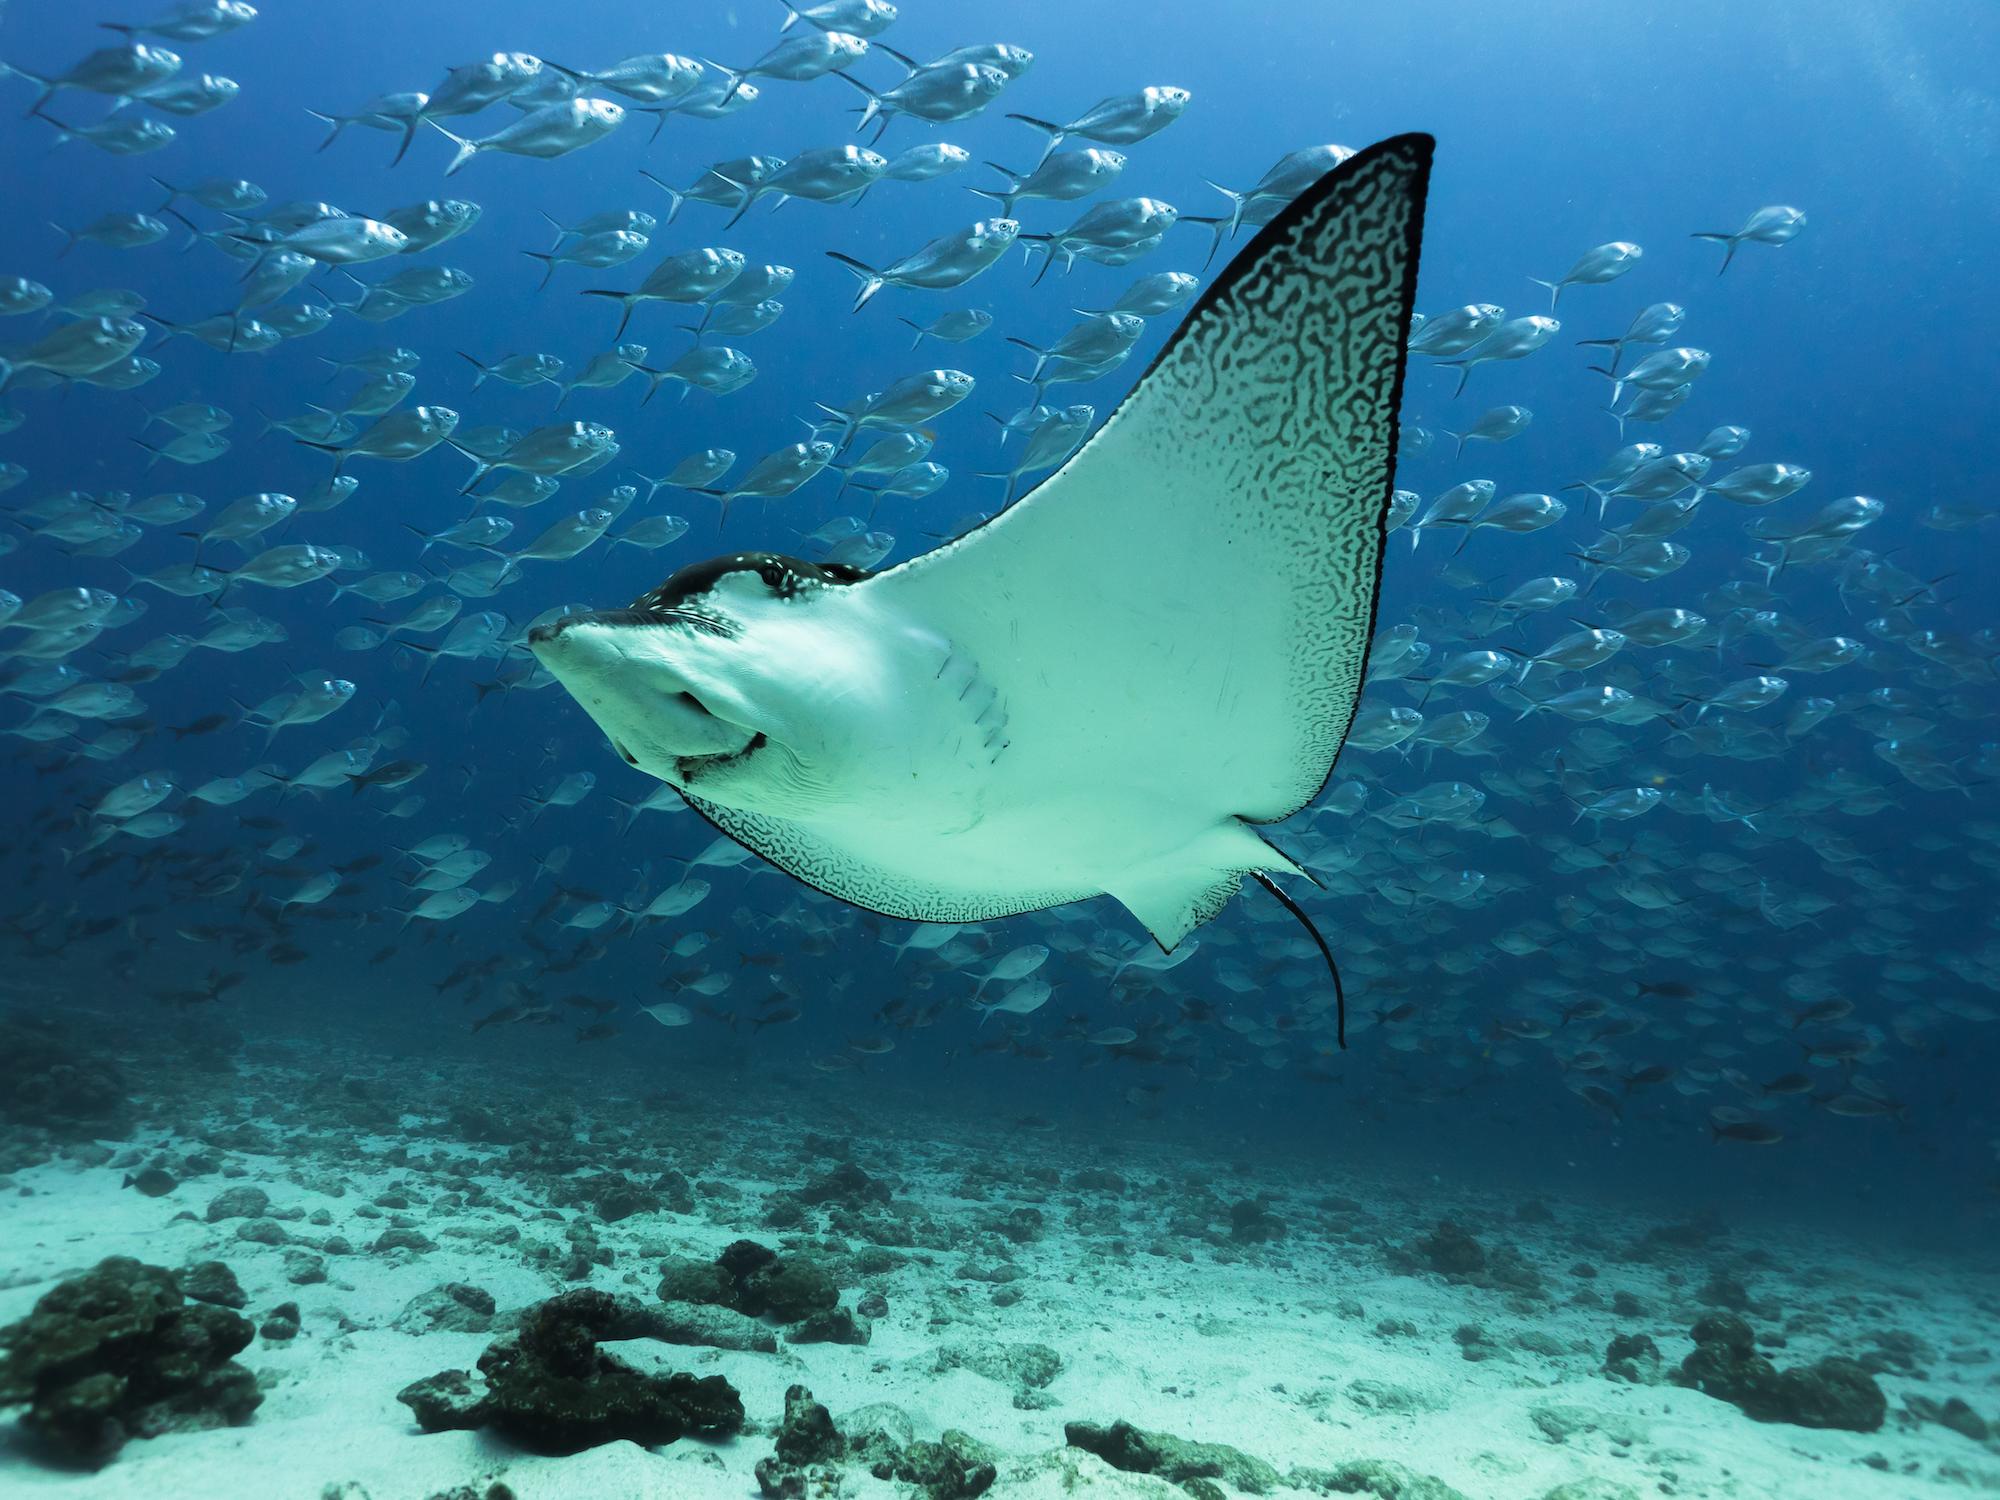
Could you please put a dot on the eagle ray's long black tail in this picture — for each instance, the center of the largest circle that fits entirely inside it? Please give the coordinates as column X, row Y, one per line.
column 1339, row 991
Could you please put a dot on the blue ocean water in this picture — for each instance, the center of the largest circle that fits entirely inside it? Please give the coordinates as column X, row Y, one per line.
column 1860, row 351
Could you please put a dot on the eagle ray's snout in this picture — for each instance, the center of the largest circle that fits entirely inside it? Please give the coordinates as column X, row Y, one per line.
column 542, row 635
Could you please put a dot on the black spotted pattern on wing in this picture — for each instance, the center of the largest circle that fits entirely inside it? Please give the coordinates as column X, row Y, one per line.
column 1286, row 379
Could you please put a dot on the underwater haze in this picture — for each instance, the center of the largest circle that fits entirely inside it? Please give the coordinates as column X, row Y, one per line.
column 543, row 958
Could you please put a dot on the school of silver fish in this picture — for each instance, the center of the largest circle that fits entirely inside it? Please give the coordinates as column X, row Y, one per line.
column 1642, row 836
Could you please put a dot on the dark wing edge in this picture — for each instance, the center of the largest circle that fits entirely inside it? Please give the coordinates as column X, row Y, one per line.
column 1411, row 154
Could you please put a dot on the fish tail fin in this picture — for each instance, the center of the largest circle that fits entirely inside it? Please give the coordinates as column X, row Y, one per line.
column 1464, row 368
column 172, row 193
column 1218, row 230
column 466, row 149
column 1727, row 240
column 479, row 379
column 849, row 423
column 1555, row 290
column 409, row 135
column 1046, row 244
column 333, row 134
column 64, row 135
column 1056, row 133
column 874, row 105
column 675, row 197
column 722, row 499
column 1005, row 196
column 8, row 70
column 70, row 238
column 920, row 332
column 339, row 453
column 1037, row 350
column 871, row 279
column 194, row 235
column 548, row 260
column 625, row 299
column 480, row 467
column 736, row 80
column 791, row 17
column 1237, row 202
column 659, row 114
column 750, row 196
column 1617, row 348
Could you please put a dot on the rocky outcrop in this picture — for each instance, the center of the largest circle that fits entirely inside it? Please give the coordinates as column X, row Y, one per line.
column 551, row 1388
column 119, row 1352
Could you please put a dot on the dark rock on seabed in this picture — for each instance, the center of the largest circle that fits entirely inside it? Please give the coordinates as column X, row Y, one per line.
column 118, row 1353
column 1831, row 1392
column 846, row 1184
column 1137, row 1451
column 1634, row 1358
column 450, row 1307
column 806, row 1436
column 1197, row 1467
column 550, row 1388
column 1953, row 1412
column 1376, row 1478
column 213, row 1282
column 281, row 1324
column 1450, row 1251
column 1251, row 1222
column 1028, row 1368
column 833, row 1325
column 952, row 1468
column 240, row 1202
column 756, row 1281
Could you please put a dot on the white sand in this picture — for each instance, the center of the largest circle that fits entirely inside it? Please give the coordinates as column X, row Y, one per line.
column 1244, row 1345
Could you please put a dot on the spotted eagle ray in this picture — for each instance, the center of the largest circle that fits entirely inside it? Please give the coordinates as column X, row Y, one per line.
column 1112, row 685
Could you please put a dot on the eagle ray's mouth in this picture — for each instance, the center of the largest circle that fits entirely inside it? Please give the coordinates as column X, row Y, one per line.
column 691, row 767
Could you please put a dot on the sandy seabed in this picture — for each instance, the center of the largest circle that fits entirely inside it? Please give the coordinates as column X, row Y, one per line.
column 1009, row 1280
